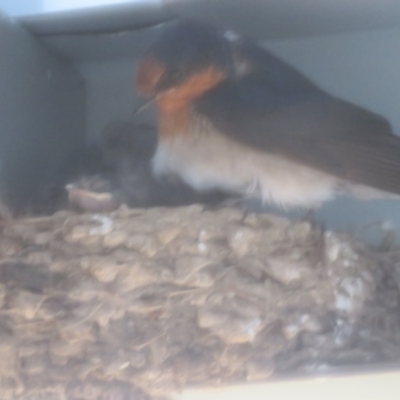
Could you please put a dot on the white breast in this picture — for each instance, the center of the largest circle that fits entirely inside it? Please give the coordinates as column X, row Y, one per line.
column 209, row 160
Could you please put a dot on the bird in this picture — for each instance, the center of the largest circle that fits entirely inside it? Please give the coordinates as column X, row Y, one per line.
column 129, row 146
column 234, row 117
column 101, row 176
column 83, row 167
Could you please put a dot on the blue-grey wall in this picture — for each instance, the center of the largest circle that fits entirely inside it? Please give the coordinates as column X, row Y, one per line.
column 42, row 111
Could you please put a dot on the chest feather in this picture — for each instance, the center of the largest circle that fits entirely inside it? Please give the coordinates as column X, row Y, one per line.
column 206, row 159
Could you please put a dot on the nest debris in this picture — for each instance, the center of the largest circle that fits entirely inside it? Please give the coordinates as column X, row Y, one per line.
column 140, row 303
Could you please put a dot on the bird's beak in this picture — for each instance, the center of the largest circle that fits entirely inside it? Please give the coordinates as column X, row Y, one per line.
column 142, row 106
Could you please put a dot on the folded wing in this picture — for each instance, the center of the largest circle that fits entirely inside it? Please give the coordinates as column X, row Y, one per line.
column 275, row 109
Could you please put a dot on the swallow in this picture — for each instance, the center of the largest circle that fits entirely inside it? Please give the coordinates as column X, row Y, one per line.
column 233, row 117
column 92, row 194
column 130, row 147
column 100, row 177
column 81, row 169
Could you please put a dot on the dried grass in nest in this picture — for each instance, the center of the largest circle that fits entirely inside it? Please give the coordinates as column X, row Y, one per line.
column 139, row 303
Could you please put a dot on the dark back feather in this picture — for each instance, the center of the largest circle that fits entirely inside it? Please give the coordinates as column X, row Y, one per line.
column 277, row 110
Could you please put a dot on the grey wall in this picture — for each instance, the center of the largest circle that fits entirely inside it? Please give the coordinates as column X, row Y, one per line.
column 110, row 93
column 42, row 113
column 361, row 67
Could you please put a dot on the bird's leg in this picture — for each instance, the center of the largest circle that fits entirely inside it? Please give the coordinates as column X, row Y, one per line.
column 237, row 202
column 232, row 202
column 227, row 202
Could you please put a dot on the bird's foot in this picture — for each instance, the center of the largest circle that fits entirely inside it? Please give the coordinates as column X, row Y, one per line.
column 232, row 202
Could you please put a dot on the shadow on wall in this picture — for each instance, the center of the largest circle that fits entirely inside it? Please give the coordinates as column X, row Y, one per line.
column 42, row 111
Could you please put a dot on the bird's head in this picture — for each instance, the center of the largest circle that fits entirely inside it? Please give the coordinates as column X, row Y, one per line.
column 187, row 60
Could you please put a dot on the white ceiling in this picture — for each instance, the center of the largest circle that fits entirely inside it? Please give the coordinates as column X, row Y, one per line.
column 116, row 31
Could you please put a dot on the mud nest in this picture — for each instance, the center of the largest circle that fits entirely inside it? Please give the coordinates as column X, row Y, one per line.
column 141, row 303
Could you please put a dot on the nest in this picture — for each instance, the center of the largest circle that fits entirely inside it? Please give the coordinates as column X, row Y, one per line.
column 141, row 303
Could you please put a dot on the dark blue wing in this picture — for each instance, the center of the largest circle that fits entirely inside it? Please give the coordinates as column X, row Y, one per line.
column 277, row 110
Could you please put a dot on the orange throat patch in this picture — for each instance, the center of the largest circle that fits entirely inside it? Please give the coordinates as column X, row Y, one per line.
column 174, row 105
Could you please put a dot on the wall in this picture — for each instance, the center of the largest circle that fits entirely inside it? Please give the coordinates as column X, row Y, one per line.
column 42, row 115
column 361, row 67
column 110, row 94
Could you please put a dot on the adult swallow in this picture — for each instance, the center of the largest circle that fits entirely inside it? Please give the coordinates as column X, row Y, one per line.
column 234, row 117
